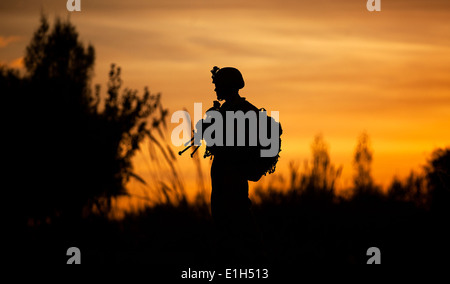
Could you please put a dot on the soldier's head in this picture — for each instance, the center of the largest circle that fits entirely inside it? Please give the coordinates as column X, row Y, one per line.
column 228, row 82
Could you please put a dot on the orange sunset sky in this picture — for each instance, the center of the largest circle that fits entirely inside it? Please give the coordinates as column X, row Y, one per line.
column 328, row 67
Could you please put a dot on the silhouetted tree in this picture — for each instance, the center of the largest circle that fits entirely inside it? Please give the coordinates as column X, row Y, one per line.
column 362, row 163
column 76, row 148
column 438, row 177
column 413, row 189
column 321, row 179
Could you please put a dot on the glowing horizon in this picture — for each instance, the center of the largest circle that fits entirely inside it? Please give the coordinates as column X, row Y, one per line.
column 328, row 67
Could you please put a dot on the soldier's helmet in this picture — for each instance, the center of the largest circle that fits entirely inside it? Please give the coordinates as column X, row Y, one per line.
column 227, row 77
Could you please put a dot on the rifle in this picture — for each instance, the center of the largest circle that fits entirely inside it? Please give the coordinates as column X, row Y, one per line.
column 190, row 143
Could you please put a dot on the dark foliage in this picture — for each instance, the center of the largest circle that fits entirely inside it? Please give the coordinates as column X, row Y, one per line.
column 74, row 149
column 73, row 153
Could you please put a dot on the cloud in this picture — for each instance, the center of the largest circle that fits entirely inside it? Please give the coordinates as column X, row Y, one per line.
column 5, row 41
column 327, row 66
column 17, row 63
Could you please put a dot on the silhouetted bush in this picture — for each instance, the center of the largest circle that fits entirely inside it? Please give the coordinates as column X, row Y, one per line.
column 75, row 148
column 438, row 177
column 73, row 153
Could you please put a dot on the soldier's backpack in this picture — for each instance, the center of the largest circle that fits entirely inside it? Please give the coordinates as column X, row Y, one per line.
column 256, row 164
column 261, row 165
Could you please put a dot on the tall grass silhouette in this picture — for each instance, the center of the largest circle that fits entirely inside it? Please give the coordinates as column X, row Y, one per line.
column 80, row 161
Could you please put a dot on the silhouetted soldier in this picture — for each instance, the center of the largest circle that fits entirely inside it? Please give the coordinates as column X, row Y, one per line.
column 238, row 240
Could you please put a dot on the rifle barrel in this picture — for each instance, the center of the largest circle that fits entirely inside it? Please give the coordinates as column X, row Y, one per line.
column 195, row 150
column 185, row 149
